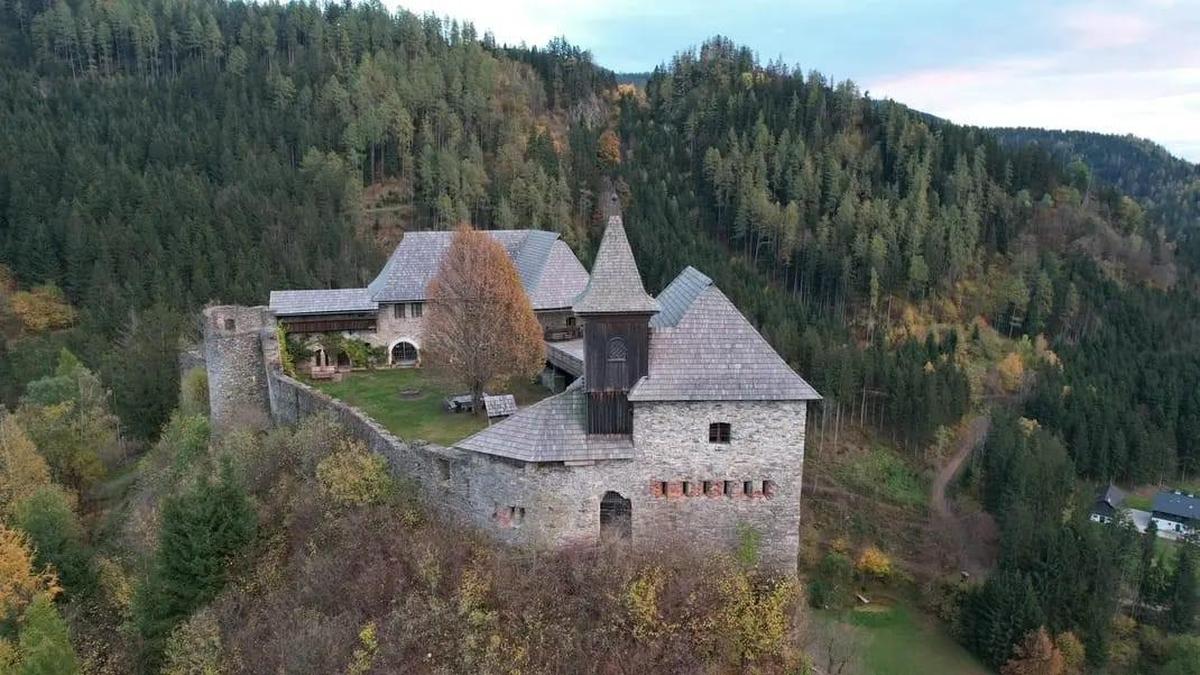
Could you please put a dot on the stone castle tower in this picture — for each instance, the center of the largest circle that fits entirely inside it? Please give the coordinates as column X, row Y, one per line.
column 237, row 374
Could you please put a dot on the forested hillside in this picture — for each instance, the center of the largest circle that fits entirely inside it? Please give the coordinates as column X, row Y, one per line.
column 161, row 154
column 1166, row 186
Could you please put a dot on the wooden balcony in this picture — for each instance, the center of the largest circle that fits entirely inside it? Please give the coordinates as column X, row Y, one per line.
column 563, row 333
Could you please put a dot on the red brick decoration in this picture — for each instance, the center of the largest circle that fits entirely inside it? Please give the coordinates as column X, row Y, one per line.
column 764, row 489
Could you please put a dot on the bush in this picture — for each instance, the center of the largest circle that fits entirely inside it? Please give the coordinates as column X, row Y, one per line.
column 353, row 476
column 193, row 393
column 194, row 647
column 874, row 563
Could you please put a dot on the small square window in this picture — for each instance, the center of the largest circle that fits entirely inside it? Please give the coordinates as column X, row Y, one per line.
column 229, row 324
column 718, row 432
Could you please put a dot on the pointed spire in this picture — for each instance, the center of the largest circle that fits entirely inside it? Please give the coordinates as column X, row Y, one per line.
column 615, row 286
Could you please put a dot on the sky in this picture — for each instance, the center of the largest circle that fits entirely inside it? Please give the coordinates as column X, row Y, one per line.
column 1115, row 66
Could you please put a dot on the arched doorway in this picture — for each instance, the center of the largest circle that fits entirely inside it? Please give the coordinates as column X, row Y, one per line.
column 404, row 354
column 320, row 358
column 616, row 517
column 343, row 361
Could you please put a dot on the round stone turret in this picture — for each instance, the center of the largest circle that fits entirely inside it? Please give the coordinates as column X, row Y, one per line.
column 237, row 376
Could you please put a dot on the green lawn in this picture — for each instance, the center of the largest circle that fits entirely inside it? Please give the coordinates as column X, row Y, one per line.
column 377, row 392
column 897, row 640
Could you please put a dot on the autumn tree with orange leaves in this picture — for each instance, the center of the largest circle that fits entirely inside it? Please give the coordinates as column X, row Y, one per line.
column 480, row 330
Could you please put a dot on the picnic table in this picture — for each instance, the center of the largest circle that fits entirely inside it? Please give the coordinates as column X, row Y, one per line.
column 459, row 402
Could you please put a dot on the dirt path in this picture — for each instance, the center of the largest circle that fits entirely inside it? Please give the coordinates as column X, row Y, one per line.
column 972, row 434
column 962, row 541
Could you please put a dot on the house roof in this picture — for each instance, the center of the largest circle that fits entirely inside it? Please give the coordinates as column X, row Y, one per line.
column 551, row 430
column 502, row 404
column 705, row 350
column 549, row 271
column 615, row 287
column 324, row 301
column 1111, row 495
column 1178, row 504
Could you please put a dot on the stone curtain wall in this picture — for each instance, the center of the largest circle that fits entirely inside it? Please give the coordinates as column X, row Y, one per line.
column 439, row 475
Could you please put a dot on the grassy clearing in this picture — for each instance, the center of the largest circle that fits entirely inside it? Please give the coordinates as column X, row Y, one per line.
column 377, row 393
column 897, row 640
column 884, row 473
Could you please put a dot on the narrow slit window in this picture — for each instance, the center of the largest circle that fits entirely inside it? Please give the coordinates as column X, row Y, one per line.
column 686, row 489
column 748, row 487
column 718, row 432
column 663, row 486
column 768, row 488
column 730, row 488
column 707, row 488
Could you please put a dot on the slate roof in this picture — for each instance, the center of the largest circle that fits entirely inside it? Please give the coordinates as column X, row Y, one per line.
column 503, row 404
column 550, row 273
column 615, row 286
column 551, row 430
column 327, row 301
column 1178, row 504
column 678, row 296
column 712, row 353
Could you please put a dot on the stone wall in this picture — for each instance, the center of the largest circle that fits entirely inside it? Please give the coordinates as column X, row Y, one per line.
column 553, row 504
column 440, row 475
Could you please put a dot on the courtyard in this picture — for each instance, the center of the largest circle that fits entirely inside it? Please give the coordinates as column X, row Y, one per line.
column 410, row 402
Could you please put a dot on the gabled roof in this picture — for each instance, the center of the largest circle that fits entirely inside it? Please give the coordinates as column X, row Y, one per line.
column 549, row 271
column 711, row 353
column 615, row 287
column 325, row 301
column 1111, row 495
column 551, row 430
column 1178, row 504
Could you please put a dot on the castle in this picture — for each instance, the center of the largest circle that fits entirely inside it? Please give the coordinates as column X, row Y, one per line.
column 679, row 423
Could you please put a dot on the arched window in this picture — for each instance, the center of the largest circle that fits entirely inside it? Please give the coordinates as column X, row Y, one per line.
column 617, row 351
column 404, row 354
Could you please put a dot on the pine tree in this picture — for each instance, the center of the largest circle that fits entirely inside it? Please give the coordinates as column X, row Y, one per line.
column 1184, row 595
column 202, row 529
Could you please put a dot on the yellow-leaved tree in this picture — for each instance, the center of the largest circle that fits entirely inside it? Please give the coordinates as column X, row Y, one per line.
column 22, row 470
column 480, row 330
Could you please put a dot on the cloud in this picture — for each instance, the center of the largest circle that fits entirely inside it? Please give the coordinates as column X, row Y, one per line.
column 1101, row 28
column 1162, row 104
